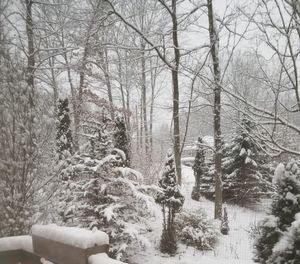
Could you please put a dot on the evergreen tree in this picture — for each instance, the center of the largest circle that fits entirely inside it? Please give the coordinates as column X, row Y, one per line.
column 171, row 201
column 121, row 140
column 101, row 192
column 199, row 168
column 247, row 176
column 287, row 249
column 225, row 224
column 64, row 139
column 286, row 204
column 246, row 169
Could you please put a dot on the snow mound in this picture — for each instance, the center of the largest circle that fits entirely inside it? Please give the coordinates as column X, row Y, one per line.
column 72, row 236
column 102, row 258
column 15, row 243
column 278, row 173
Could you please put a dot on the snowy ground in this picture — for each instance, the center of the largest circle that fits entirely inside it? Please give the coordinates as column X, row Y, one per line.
column 236, row 248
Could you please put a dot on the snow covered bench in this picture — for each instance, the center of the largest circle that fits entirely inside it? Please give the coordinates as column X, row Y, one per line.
column 59, row 245
column 68, row 245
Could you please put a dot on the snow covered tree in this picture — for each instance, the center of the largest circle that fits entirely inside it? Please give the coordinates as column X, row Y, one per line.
column 285, row 206
column 171, row 201
column 121, row 140
column 64, row 139
column 246, row 172
column 101, row 192
column 199, row 168
column 287, row 249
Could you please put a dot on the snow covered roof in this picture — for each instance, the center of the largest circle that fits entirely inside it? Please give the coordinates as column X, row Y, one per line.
column 72, row 236
column 16, row 243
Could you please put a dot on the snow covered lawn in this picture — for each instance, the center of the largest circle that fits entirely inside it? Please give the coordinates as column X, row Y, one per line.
column 236, row 248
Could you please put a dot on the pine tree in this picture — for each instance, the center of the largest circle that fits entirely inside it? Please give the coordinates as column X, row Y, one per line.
column 286, row 204
column 246, row 174
column 199, row 168
column 246, row 169
column 121, row 140
column 287, row 249
column 171, row 201
column 102, row 193
column 64, row 139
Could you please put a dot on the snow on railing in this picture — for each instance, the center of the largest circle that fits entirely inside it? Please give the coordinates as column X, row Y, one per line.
column 56, row 244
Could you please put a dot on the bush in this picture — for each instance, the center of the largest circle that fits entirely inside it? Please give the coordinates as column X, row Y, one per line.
column 287, row 249
column 196, row 230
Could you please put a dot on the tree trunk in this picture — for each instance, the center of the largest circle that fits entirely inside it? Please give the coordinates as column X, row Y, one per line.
column 104, row 59
column 175, row 81
column 73, row 96
column 214, row 43
column 144, row 99
column 30, row 56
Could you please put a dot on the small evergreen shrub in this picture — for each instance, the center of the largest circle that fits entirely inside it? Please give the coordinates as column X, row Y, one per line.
column 287, row 249
column 279, row 225
column 225, row 223
column 196, row 230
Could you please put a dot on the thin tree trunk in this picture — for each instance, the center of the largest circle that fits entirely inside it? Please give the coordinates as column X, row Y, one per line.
column 175, row 81
column 30, row 58
column 104, row 58
column 73, row 96
column 144, row 99
column 214, row 42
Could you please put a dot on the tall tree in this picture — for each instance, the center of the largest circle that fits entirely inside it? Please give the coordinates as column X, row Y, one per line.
column 214, row 42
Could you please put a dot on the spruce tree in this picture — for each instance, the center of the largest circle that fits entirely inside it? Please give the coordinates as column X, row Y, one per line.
column 247, row 176
column 199, row 168
column 287, row 249
column 121, row 140
column 171, row 201
column 100, row 192
column 64, row 139
column 285, row 205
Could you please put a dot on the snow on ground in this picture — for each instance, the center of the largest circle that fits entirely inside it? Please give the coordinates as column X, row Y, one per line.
column 15, row 243
column 235, row 248
column 102, row 258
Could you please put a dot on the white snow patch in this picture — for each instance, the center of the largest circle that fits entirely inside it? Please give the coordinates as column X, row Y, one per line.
column 242, row 152
column 278, row 173
column 102, row 258
column 44, row 261
column 15, row 243
column 72, row 236
column 128, row 172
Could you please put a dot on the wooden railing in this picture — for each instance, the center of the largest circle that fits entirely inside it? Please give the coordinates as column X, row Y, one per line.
column 51, row 250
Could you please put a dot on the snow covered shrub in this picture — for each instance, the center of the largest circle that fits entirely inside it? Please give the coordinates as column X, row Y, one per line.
column 199, row 168
column 287, row 249
column 285, row 206
column 196, row 230
column 268, row 235
column 19, row 154
column 171, row 201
